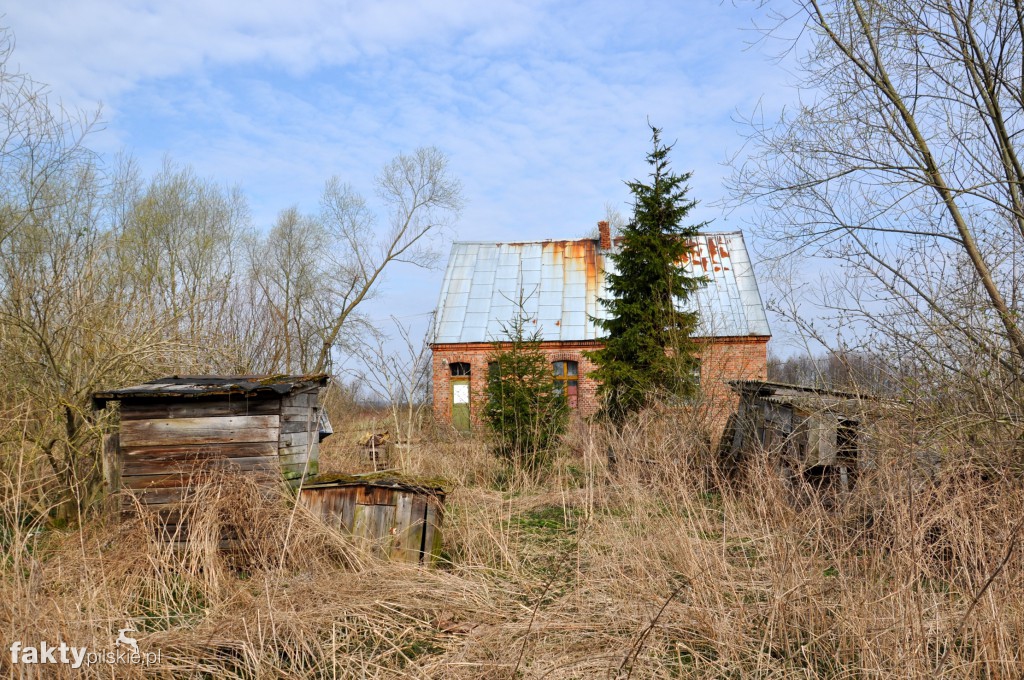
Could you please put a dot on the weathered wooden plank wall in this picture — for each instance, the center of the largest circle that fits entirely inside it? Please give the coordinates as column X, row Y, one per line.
column 172, row 408
column 299, row 446
column 201, row 430
column 164, row 445
column 111, row 469
column 400, row 523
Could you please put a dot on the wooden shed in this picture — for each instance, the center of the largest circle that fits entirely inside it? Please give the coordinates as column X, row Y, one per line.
column 174, row 428
column 395, row 516
column 814, row 435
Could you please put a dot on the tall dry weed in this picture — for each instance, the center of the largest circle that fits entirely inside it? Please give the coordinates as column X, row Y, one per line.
column 659, row 570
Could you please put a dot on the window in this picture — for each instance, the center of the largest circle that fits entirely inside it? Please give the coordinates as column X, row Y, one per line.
column 459, row 369
column 567, row 380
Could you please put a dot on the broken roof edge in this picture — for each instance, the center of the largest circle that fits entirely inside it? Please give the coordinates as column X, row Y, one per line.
column 205, row 386
column 850, row 405
column 776, row 391
column 769, row 387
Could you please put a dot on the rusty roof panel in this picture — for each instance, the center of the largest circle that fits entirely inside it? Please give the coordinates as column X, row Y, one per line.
column 560, row 283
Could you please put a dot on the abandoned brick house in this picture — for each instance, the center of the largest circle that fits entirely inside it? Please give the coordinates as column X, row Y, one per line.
column 560, row 283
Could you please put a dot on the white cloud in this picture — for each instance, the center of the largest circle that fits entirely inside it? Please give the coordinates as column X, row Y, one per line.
column 98, row 49
column 541, row 105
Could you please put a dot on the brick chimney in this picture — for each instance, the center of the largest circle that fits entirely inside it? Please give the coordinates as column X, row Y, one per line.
column 606, row 235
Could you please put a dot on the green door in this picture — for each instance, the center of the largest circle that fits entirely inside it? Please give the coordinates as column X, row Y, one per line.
column 460, row 404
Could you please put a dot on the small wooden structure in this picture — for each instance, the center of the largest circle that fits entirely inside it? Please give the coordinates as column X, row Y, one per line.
column 813, row 434
column 376, row 448
column 175, row 428
column 396, row 516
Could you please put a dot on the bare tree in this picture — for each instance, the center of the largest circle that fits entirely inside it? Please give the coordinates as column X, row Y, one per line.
column 41, row 143
column 178, row 246
column 903, row 161
column 289, row 269
column 107, row 278
column 102, row 280
column 421, row 197
column 313, row 272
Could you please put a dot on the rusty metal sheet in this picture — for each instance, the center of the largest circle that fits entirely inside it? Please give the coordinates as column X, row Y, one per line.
column 561, row 284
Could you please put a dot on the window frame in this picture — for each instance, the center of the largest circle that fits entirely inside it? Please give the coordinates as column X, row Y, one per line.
column 455, row 372
column 565, row 381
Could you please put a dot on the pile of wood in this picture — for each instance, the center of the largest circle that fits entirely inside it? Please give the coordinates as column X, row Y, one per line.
column 377, row 449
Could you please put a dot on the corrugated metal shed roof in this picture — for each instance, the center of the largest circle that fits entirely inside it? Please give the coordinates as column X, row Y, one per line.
column 817, row 399
column 561, row 281
column 196, row 386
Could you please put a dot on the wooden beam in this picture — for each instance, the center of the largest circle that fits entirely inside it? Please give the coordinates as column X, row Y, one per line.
column 186, row 431
column 196, row 408
column 198, row 452
column 142, row 466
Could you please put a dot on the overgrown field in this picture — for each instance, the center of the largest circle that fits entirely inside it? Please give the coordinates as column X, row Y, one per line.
column 654, row 572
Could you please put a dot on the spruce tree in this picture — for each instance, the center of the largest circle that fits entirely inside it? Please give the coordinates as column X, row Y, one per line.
column 648, row 350
column 524, row 411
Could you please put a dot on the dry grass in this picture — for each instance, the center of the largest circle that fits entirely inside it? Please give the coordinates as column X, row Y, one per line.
column 648, row 574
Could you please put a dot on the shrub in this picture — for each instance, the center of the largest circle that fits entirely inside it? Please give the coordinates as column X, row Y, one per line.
column 524, row 410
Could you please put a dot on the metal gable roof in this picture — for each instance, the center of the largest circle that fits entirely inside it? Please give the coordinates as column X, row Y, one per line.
column 560, row 283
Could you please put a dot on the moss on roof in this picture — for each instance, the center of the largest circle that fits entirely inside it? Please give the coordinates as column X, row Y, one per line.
column 388, row 478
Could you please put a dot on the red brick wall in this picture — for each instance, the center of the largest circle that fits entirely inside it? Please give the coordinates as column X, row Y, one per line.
column 722, row 359
column 477, row 355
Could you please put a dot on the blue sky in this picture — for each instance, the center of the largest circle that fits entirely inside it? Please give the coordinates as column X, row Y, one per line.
column 542, row 106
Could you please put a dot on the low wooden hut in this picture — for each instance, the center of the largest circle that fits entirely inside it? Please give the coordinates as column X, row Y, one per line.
column 175, row 428
column 395, row 516
column 814, row 435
